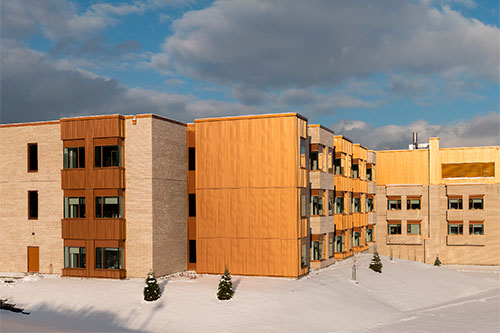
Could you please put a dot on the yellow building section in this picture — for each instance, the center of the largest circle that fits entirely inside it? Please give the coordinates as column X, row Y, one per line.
column 249, row 182
column 470, row 165
column 403, row 167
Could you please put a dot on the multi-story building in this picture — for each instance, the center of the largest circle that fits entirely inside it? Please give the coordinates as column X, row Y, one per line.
column 117, row 196
column 440, row 202
column 94, row 196
column 354, row 166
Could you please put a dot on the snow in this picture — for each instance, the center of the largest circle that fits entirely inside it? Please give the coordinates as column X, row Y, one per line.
column 407, row 297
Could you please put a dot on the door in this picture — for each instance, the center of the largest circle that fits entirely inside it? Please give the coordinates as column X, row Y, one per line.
column 33, row 259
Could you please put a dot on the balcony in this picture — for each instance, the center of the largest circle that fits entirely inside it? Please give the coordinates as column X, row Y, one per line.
column 110, row 177
column 343, row 222
column 321, row 180
column 359, row 219
column 342, row 183
column 108, row 229
column 322, row 224
column 371, row 218
column 73, row 179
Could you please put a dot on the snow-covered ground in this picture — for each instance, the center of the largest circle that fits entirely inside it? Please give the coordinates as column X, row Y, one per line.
column 406, row 297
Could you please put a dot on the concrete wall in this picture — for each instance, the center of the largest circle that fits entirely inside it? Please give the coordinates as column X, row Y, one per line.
column 169, row 197
column 16, row 231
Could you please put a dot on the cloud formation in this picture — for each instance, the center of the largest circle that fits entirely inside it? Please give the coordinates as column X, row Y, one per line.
column 482, row 130
column 281, row 44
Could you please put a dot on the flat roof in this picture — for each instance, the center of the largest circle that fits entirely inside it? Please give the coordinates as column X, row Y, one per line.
column 267, row 115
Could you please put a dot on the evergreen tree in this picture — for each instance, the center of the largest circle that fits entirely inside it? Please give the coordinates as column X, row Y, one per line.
column 152, row 290
column 437, row 262
column 225, row 286
column 376, row 263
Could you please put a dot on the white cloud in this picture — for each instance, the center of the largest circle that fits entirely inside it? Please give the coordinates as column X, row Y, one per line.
column 481, row 130
column 280, row 44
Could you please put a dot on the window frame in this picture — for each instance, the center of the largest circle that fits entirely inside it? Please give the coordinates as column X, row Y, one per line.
column 100, row 147
column 398, row 203
column 411, row 223
column 80, row 157
column 120, row 257
column 30, row 199
column 459, row 202
column 471, row 202
column 459, row 226
column 472, row 225
column 79, row 266
column 392, row 223
column 120, row 206
column 29, row 159
column 79, row 207
column 409, row 203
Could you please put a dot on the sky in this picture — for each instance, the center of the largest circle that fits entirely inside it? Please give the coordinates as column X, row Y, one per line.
column 374, row 71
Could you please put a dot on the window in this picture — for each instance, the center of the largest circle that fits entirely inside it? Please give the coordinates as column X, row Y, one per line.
column 413, row 204
column 455, row 203
column 330, row 160
column 339, row 243
column 339, row 170
column 468, row 170
column 303, row 261
column 108, row 156
column 455, row 228
column 74, row 207
column 108, row 207
column 476, row 203
column 74, row 157
column 355, row 171
column 303, row 153
column 74, row 257
column 317, row 250
column 369, row 234
column 413, row 228
column 394, row 228
column 191, row 159
column 394, row 204
column 369, row 204
column 339, row 205
column 330, row 245
column 32, row 157
column 192, row 251
column 32, row 205
column 316, row 205
column 369, row 173
column 356, row 205
column 356, row 238
column 109, row 257
column 476, row 228
column 330, row 203
column 192, row 205
column 303, row 206
column 314, row 159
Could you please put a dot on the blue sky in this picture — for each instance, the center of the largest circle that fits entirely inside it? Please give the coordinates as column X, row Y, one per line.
column 372, row 70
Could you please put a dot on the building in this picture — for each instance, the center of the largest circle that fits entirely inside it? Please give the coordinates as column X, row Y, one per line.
column 117, row 196
column 439, row 202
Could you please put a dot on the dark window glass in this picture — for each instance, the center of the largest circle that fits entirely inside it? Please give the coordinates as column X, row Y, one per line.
column 455, row 203
column 316, row 205
column 108, row 207
column 81, row 157
column 355, row 171
column 192, row 158
column 394, row 229
column 74, row 207
column 413, row 204
column 368, row 173
column 192, row 205
column 314, row 157
column 339, row 205
column 192, row 251
column 97, row 159
column 110, row 156
column 33, row 204
column 393, row 204
column 32, row 157
column 476, row 229
column 476, row 203
column 98, row 207
column 338, row 166
column 109, row 258
column 455, row 229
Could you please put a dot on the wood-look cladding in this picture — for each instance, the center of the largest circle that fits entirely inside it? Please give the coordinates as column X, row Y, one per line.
column 248, row 181
column 91, row 181
column 403, row 167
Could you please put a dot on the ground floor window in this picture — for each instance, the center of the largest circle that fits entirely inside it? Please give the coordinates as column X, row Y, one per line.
column 476, row 228
column 339, row 243
column 303, row 260
column 192, row 251
column 317, row 250
column 369, row 234
column 455, row 228
column 394, row 228
column 356, row 238
column 413, row 228
column 74, row 257
column 109, row 257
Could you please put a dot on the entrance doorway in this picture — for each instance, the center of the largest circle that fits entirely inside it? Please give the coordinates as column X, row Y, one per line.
column 33, row 259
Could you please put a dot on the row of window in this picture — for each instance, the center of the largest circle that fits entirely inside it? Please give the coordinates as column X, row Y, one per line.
column 453, row 203
column 105, row 257
column 454, row 228
column 335, row 204
column 337, row 244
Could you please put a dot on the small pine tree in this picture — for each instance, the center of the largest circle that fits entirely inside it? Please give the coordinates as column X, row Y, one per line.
column 437, row 262
column 225, row 290
column 152, row 290
column 376, row 263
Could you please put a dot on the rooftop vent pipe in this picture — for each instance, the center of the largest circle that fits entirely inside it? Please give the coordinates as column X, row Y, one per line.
column 415, row 140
